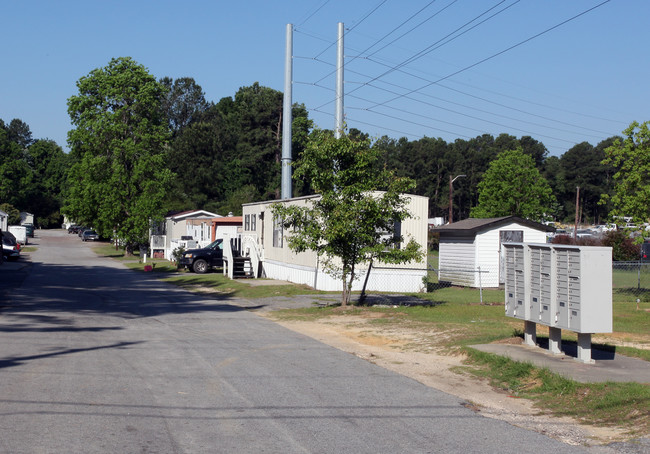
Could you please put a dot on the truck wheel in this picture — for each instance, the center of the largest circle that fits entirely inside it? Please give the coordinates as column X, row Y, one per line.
column 200, row 266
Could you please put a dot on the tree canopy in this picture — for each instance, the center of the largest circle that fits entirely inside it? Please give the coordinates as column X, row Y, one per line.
column 512, row 186
column 630, row 158
column 350, row 223
column 118, row 181
column 230, row 153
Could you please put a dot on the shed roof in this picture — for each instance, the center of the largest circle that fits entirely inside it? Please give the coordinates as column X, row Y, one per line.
column 192, row 214
column 474, row 225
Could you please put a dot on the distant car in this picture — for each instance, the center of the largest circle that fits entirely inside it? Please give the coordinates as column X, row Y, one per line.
column 645, row 252
column 10, row 247
column 74, row 228
column 89, row 235
column 30, row 230
column 585, row 233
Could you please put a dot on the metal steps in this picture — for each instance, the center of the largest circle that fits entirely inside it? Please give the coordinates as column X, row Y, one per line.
column 242, row 268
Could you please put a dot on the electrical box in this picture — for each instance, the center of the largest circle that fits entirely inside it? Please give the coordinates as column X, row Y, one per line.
column 565, row 287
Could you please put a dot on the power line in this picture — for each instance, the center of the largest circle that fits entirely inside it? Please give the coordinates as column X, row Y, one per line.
column 498, row 53
column 317, row 83
column 391, row 32
column 353, row 27
column 313, row 13
column 479, row 98
column 433, row 46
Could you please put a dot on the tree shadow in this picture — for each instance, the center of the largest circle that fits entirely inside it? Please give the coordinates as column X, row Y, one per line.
column 50, row 296
column 18, row 360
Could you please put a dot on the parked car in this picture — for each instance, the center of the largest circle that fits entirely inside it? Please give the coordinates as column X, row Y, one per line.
column 201, row 260
column 10, row 247
column 89, row 235
column 30, row 229
column 74, row 228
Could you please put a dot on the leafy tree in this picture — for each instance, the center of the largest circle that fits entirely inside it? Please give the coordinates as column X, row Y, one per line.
column 48, row 164
column 119, row 180
column 512, row 185
column 13, row 212
column 184, row 102
column 235, row 143
column 349, row 224
column 20, row 133
column 581, row 166
column 630, row 157
column 15, row 174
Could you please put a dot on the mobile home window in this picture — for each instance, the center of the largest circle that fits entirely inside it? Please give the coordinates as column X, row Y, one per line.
column 247, row 222
column 277, row 232
column 253, row 222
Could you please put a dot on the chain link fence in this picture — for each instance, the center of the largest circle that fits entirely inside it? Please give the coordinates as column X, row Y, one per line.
column 631, row 281
column 481, row 277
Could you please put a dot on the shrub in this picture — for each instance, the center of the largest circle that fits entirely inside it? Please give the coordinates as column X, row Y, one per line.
column 623, row 247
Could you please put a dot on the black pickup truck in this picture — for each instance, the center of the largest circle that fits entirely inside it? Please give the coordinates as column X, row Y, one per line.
column 201, row 260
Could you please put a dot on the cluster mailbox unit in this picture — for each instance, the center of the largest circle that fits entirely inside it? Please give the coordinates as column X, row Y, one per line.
column 562, row 287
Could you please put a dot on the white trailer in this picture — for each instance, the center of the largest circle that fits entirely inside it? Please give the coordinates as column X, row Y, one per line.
column 20, row 232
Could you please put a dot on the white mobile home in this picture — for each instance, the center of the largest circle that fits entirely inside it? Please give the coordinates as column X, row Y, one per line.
column 471, row 252
column 165, row 236
column 264, row 239
column 26, row 218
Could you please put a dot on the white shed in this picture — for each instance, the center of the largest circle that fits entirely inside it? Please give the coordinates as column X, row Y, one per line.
column 471, row 251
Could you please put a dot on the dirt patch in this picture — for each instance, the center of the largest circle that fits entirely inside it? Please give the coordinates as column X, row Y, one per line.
column 401, row 350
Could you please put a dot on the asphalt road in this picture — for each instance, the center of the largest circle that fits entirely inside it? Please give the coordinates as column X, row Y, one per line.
column 95, row 358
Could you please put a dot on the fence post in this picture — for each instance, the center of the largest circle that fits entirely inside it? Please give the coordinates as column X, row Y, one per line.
column 480, row 284
column 638, row 285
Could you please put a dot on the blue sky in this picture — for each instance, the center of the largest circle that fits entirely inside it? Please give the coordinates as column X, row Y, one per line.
column 584, row 80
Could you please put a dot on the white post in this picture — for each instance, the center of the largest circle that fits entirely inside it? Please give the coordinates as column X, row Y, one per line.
column 480, row 284
column 584, row 348
column 286, row 191
column 530, row 333
column 338, row 116
column 555, row 340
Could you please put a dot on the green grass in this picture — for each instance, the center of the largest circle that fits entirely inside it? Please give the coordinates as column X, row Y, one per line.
column 432, row 262
column 28, row 249
column 218, row 283
column 610, row 404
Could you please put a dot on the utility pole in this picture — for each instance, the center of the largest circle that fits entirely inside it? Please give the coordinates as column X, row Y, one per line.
column 338, row 116
column 575, row 229
column 451, row 196
column 287, row 115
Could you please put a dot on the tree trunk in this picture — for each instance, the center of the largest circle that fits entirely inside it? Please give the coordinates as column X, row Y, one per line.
column 345, row 296
column 362, row 297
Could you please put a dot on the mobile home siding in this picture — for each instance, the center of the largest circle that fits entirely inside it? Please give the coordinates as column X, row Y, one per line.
column 457, row 260
column 284, row 264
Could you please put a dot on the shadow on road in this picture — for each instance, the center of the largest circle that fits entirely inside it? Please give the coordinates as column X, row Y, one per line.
column 16, row 361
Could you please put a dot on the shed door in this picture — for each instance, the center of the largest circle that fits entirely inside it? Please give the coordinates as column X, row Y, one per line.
column 507, row 236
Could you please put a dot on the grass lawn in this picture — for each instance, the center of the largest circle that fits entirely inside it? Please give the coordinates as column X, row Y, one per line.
column 211, row 282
